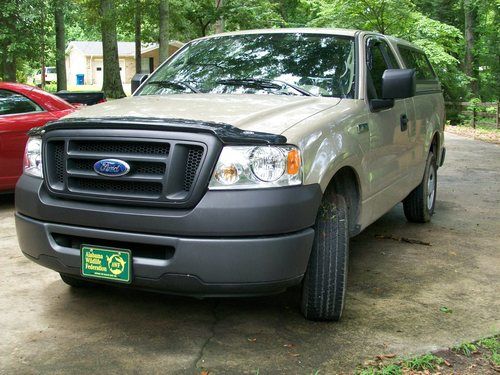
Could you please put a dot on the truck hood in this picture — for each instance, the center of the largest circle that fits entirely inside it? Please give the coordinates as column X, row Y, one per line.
column 258, row 113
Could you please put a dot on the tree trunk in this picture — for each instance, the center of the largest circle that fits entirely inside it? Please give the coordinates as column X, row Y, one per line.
column 470, row 69
column 60, row 45
column 42, row 47
column 219, row 24
column 8, row 22
column 138, row 37
column 9, row 67
column 112, row 84
column 163, row 37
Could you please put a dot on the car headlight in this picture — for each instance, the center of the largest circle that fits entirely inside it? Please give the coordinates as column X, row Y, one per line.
column 254, row 167
column 33, row 157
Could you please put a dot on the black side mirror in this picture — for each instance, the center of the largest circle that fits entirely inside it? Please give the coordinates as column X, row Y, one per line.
column 137, row 80
column 398, row 83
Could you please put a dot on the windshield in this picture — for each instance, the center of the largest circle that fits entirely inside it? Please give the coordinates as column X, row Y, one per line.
column 281, row 64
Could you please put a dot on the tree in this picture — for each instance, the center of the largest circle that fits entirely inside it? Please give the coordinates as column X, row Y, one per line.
column 112, row 85
column 441, row 42
column 219, row 24
column 163, row 38
column 138, row 38
column 59, row 6
column 469, row 25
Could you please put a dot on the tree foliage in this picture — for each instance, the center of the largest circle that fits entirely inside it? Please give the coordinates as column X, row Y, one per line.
column 437, row 26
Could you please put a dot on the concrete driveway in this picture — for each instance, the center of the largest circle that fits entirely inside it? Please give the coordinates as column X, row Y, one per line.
column 395, row 295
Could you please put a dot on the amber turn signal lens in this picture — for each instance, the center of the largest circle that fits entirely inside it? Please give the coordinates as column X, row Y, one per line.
column 293, row 162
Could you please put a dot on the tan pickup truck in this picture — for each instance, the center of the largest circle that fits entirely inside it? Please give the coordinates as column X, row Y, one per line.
column 241, row 166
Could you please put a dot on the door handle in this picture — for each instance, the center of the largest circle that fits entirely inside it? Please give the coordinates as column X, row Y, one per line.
column 404, row 122
column 362, row 128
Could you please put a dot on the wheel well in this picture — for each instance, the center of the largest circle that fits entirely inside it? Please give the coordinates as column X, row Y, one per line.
column 435, row 145
column 346, row 183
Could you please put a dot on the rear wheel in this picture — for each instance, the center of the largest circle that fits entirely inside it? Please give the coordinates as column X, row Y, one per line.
column 324, row 285
column 74, row 281
column 419, row 204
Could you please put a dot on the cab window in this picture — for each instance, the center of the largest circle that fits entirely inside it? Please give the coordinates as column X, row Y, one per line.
column 417, row 60
column 13, row 103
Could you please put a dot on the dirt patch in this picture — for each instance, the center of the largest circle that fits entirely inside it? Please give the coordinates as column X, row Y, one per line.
column 477, row 358
column 486, row 134
column 478, row 362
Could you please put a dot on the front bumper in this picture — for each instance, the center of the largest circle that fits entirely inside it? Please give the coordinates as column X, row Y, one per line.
column 231, row 244
column 196, row 266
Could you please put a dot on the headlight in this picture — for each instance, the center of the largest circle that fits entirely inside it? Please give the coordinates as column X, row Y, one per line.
column 33, row 157
column 254, row 167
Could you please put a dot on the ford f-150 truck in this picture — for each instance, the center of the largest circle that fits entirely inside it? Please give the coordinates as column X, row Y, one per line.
column 241, row 166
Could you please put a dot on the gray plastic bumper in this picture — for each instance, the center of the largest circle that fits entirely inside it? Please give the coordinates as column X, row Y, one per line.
column 196, row 266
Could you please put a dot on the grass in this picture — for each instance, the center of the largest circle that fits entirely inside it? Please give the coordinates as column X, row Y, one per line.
column 466, row 348
column 430, row 363
column 425, row 362
column 493, row 345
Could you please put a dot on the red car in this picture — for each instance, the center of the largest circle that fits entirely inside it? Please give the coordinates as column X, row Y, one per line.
column 22, row 107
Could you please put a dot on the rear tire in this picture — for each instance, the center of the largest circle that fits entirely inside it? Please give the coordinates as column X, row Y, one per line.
column 324, row 285
column 419, row 204
column 75, row 282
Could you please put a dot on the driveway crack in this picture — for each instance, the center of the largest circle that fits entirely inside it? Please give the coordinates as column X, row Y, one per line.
column 198, row 362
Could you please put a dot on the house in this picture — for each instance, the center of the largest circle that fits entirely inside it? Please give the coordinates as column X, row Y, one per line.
column 84, row 64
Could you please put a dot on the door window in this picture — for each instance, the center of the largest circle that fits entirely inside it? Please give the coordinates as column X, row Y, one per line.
column 379, row 58
column 13, row 103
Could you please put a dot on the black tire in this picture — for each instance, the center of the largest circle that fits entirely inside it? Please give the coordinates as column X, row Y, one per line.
column 419, row 204
column 75, row 282
column 325, row 281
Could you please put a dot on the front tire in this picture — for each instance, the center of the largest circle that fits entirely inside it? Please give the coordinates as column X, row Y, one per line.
column 324, row 285
column 419, row 204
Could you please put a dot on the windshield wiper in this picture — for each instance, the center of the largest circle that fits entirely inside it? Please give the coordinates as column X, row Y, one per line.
column 263, row 83
column 177, row 84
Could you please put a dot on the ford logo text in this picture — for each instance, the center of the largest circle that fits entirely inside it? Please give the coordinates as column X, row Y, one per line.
column 111, row 167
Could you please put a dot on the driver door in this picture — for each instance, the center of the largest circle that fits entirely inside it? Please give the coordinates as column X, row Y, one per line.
column 389, row 141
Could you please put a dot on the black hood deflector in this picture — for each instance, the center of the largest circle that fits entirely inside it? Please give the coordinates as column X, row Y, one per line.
column 228, row 134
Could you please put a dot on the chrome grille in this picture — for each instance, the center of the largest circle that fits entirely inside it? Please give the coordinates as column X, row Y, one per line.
column 161, row 171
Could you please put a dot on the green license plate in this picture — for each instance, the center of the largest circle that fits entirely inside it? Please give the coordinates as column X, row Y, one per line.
column 106, row 263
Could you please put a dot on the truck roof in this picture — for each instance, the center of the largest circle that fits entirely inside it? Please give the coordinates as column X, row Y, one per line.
column 310, row 30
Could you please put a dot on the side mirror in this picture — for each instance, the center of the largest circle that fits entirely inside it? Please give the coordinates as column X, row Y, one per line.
column 398, row 83
column 137, row 80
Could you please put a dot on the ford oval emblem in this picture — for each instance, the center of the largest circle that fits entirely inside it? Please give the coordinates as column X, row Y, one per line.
column 111, row 167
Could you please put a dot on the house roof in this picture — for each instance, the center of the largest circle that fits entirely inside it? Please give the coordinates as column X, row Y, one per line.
column 124, row 48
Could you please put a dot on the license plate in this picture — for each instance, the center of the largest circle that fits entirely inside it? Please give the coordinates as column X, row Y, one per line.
column 106, row 263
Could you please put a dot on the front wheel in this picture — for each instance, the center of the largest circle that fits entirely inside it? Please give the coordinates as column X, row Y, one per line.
column 419, row 204
column 324, row 285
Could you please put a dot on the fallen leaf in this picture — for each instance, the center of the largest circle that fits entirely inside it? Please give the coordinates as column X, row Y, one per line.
column 288, row 345
column 204, row 372
column 447, row 363
column 251, row 339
